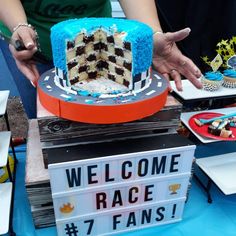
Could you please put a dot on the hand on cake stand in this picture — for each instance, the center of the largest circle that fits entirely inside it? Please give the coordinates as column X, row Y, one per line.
column 27, row 36
column 169, row 61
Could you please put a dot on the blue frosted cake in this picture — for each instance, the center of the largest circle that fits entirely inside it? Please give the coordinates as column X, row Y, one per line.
column 94, row 56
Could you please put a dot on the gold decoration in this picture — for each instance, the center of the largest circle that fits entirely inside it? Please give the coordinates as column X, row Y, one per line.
column 216, row 63
column 225, row 49
column 206, row 60
column 174, row 187
column 234, row 39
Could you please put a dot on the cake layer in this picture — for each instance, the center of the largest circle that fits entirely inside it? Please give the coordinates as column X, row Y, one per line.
column 139, row 82
column 73, row 38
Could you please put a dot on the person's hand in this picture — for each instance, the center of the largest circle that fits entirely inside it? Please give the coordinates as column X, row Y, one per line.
column 169, row 61
column 23, row 58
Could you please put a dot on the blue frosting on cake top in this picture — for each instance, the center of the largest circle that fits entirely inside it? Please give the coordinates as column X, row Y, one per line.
column 138, row 34
column 230, row 73
column 214, row 76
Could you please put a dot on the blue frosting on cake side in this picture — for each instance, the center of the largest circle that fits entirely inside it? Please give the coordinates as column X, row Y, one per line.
column 138, row 34
column 230, row 73
column 214, row 76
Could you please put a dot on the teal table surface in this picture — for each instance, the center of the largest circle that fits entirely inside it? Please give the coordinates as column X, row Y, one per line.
column 199, row 218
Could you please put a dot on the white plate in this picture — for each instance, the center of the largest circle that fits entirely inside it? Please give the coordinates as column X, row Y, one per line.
column 5, row 193
column 190, row 92
column 221, row 169
column 3, row 101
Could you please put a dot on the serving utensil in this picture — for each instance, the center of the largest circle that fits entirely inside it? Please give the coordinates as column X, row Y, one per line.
column 203, row 121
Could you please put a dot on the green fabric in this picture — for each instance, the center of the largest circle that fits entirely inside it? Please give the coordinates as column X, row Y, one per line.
column 42, row 14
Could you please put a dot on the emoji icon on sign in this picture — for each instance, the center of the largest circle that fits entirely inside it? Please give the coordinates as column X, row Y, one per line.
column 174, row 187
column 67, row 208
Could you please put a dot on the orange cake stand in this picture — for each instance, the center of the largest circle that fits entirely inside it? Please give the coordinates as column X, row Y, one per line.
column 97, row 110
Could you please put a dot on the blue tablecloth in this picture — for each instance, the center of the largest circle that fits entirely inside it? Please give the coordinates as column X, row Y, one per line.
column 199, row 219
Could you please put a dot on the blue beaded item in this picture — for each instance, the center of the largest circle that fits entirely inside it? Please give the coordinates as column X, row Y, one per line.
column 229, row 78
column 212, row 81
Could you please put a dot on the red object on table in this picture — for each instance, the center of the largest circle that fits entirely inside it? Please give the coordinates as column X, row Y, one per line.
column 102, row 114
column 203, row 130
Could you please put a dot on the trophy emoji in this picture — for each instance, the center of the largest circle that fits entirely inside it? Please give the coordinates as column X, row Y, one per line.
column 174, row 187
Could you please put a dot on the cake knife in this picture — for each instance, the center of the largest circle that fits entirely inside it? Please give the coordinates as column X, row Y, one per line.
column 19, row 46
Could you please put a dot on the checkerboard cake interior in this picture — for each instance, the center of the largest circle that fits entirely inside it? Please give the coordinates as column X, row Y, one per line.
column 102, row 55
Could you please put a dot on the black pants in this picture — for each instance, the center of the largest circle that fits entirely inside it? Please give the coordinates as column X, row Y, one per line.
column 210, row 22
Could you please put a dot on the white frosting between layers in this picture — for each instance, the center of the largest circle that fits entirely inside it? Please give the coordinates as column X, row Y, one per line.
column 100, row 85
column 125, row 93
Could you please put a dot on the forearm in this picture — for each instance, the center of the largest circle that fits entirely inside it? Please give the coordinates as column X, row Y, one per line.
column 12, row 13
column 142, row 10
